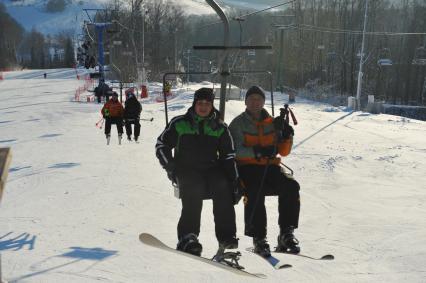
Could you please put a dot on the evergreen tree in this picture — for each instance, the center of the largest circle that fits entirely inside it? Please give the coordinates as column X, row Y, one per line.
column 69, row 60
column 11, row 34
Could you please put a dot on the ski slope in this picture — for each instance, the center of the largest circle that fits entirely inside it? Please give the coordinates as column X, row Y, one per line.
column 73, row 207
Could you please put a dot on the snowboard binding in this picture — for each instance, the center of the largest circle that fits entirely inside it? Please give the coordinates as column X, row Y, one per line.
column 229, row 258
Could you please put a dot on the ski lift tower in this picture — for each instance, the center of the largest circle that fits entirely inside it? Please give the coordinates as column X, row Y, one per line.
column 223, row 64
column 100, row 27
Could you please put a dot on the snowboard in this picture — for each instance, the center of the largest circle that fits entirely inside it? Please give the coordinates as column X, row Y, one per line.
column 154, row 242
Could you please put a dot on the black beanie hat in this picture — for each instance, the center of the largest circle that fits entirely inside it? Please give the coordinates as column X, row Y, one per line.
column 255, row 89
column 203, row 93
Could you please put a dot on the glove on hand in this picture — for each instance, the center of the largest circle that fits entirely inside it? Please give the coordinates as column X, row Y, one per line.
column 283, row 128
column 287, row 131
column 279, row 123
column 269, row 151
column 238, row 190
column 106, row 113
column 170, row 169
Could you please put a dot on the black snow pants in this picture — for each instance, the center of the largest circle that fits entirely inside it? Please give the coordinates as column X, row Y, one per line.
column 128, row 124
column 113, row 120
column 276, row 183
column 193, row 185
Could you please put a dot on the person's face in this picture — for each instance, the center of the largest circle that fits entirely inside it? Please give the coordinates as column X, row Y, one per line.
column 255, row 103
column 114, row 97
column 203, row 107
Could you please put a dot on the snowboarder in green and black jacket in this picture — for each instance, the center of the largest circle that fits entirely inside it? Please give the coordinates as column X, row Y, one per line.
column 202, row 166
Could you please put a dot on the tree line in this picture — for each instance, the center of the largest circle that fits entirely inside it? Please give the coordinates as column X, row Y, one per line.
column 32, row 49
column 315, row 45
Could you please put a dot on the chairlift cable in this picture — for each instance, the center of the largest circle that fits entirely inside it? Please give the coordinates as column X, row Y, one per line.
column 356, row 32
column 250, row 14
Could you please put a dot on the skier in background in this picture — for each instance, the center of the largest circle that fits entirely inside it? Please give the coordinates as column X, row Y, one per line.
column 113, row 114
column 102, row 90
column 132, row 111
column 259, row 138
column 202, row 166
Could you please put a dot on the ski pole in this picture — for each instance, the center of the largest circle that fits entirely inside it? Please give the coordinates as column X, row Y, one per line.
column 103, row 120
column 291, row 170
column 256, row 202
column 144, row 119
column 98, row 122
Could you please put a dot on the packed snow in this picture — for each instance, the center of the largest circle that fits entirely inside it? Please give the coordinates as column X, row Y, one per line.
column 73, row 207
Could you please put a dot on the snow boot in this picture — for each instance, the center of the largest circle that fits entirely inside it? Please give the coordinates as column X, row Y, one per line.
column 136, row 139
column 261, row 247
column 227, row 257
column 287, row 242
column 189, row 244
column 231, row 243
column 129, row 138
column 108, row 137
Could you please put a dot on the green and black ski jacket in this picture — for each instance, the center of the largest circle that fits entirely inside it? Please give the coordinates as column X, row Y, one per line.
column 198, row 144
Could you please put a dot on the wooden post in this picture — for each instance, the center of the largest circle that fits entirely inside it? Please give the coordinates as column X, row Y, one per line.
column 5, row 157
column 1, row 280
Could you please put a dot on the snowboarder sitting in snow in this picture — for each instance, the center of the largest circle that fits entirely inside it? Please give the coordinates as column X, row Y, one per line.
column 259, row 138
column 132, row 111
column 113, row 114
column 203, row 161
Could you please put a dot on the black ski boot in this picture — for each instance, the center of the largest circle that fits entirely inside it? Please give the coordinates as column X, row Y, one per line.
column 287, row 242
column 189, row 244
column 261, row 247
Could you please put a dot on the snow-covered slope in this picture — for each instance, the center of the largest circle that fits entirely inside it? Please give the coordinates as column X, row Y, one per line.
column 73, row 207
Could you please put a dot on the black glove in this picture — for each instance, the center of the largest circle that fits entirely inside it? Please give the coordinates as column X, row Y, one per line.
column 287, row 131
column 170, row 169
column 269, row 151
column 238, row 190
column 283, row 128
column 279, row 123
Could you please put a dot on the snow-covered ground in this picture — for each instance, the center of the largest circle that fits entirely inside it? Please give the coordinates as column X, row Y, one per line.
column 73, row 207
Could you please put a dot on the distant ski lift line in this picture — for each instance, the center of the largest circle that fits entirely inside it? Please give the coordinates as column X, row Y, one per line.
column 221, row 47
column 345, row 31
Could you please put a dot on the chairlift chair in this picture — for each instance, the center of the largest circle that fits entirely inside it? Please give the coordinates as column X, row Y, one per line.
column 384, row 62
column 112, row 28
column 419, row 56
column 384, row 58
column 331, row 55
